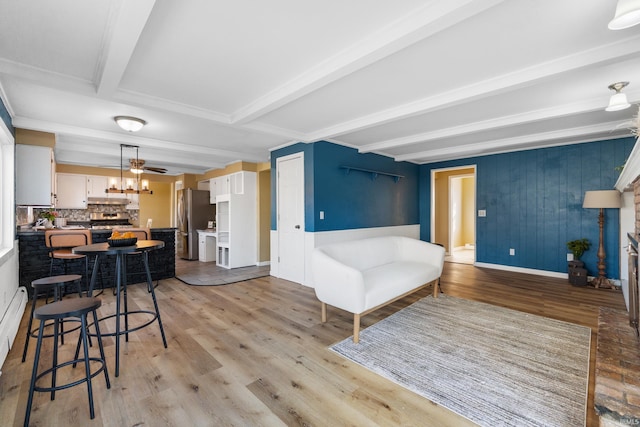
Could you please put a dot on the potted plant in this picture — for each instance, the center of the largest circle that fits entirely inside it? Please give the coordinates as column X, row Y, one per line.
column 577, row 272
column 49, row 217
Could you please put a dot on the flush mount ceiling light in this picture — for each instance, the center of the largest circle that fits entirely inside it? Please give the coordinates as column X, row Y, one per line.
column 627, row 15
column 130, row 124
column 618, row 100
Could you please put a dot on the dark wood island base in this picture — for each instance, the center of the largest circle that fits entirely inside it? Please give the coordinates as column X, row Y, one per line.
column 34, row 261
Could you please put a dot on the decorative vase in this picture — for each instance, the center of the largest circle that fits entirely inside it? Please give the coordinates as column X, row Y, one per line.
column 48, row 224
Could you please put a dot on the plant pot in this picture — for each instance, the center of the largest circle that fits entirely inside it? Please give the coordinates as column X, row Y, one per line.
column 575, row 264
column 578, row 276
column 577, row 273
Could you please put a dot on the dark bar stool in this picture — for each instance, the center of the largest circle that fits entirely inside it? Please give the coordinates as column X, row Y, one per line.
column 60, row 243
column 58, row 311
column 44, row 287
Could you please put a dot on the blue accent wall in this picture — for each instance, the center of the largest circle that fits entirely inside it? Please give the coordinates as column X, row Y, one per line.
column 6, row 118
column 533, row 201
column 352, row 200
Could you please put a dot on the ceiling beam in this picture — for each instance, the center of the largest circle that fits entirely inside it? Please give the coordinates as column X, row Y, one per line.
column 195, row 149
column 512, row 144
column 424, row 22
column 497, row 123
column 618, row 51
column 126, row 22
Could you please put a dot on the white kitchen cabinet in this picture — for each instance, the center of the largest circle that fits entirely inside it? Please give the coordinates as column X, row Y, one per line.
column 207, row 246
column 71, row 191
column 212, row 191
column 225, row 185
column 97, row 186
column 236, row 182
column 219, row 186
column 134, row 201
column 236, row 219
column 34, row 175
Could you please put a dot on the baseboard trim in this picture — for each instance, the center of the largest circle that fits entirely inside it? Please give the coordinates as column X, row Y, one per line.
column 523, row 270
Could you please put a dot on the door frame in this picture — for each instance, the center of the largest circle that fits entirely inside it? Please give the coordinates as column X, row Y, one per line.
column 432, row 225
column 300, row 156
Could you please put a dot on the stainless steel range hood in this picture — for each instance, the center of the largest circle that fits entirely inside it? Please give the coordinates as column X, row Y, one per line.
column 107, row 201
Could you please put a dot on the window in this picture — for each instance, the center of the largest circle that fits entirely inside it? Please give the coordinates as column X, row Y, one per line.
column 7, row 195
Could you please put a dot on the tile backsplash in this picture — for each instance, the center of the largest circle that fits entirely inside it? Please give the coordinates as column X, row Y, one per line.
column 81, row 215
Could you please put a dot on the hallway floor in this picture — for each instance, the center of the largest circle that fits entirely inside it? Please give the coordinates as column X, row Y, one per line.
column 462, row 255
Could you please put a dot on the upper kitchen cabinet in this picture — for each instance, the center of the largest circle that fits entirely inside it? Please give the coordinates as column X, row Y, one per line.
column 218, row 186
column 34, row 175
column 97, row 186
column 226, row 184
column 71, row 191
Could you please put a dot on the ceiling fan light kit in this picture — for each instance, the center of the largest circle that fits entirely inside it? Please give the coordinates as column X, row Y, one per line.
column 627, row 15
column 618, row 100
column 129, row 123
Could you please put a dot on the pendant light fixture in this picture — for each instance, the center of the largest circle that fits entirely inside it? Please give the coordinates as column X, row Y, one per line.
column 618, row 100
column 627, row 15
column 143, row 185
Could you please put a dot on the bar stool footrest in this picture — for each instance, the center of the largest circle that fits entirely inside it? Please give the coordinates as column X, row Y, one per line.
column 72, row 384
column 34, row 331
column 127, row 331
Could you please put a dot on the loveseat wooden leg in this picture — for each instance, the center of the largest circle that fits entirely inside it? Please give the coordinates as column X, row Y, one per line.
column 324, row 312
column 436, row 288
column 356, row 328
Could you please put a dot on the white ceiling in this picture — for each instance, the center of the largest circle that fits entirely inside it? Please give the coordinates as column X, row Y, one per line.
column 222, row 81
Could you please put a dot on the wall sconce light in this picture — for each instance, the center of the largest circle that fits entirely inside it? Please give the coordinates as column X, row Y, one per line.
column 627, row 15
column 618, row 100
column 130, row 124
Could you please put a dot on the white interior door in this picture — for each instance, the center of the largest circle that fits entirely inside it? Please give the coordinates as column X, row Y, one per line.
column 290, row 217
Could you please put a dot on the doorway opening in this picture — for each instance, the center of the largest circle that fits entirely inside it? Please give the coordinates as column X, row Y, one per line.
column 453, row 212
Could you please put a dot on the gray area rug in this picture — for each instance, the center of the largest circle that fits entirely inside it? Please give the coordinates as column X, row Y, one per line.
column 494, row 366
column 216, row 276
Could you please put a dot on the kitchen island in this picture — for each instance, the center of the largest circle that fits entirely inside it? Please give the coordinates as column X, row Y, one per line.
column 34, row 261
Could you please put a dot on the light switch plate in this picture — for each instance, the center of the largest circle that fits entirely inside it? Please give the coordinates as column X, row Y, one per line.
column 482, row 212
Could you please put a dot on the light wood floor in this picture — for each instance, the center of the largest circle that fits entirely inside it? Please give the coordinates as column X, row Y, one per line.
column 255, row 354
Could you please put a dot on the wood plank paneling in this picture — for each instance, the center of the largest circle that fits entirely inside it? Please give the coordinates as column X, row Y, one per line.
column 533, row 201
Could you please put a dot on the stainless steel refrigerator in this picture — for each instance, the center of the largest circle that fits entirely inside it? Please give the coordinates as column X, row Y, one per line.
column 194, row 210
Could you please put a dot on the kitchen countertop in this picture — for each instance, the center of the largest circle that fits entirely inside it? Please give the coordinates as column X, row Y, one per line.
column 93, row 230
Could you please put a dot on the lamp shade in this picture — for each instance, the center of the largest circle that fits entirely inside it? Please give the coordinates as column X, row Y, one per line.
column 627, row 15
column 602, row 199
column 618, row 102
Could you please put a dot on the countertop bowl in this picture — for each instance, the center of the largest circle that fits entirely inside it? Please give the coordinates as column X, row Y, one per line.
column 122, row 242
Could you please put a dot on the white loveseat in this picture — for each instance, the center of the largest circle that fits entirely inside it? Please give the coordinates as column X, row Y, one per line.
column 360, row 276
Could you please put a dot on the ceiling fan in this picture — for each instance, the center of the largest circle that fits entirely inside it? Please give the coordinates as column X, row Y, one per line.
column 137, row 166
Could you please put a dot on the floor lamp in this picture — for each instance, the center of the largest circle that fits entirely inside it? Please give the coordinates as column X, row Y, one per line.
column 602, row 199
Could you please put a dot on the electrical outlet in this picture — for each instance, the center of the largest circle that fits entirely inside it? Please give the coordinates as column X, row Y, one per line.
column 512, row 251
column 321, row 214
column 569, row 257
column 482, row 213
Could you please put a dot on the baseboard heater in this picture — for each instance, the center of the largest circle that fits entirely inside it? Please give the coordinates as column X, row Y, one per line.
column 11, row 322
